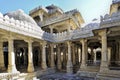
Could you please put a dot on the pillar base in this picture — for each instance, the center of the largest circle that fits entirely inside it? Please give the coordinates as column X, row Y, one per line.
column 69, row 67
column 44, row 66
column 59, row 66
column 30, row 67
column 109, row 75
column 104, row 67
column 83, row 67
column 2, row 67
column 52, row 66
column 12, row 69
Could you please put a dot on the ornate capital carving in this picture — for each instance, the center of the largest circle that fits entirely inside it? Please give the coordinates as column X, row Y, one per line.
column 69, row 43
column 43, row 43
column 29, row 41
column 83, row 40
column 102, row 32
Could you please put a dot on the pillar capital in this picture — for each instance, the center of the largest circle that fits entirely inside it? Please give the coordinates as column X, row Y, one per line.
column 83, row 40
column 51, row 45
column 51, row 28
column 29, row 40
column 69, row 43
column 2, row 40
column 102, row 32
column 43, row 43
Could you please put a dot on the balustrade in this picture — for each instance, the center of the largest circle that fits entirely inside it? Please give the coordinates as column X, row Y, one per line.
column 32, row 30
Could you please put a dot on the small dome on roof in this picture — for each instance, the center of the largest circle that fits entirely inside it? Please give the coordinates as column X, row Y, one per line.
column 54, row 7
column 20, row 15
column 51, row 7
column 115, row 1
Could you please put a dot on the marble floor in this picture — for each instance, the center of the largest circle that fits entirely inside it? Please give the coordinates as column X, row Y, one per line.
column 63, row 76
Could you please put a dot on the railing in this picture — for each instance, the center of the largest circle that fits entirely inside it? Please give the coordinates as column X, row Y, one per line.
column 24, row 28
column 114, row 65
column 8, row 76
column 108, row 21
column 71, row 11
column 54, row 19
column 54, row 10
column 35, row 31
column 78, row 33
column 37, row 8
column 93, row 63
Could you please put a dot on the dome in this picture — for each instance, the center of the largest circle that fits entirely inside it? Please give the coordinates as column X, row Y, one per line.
column 20, row 15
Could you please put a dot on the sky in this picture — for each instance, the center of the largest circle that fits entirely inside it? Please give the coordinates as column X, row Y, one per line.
column 89, row 9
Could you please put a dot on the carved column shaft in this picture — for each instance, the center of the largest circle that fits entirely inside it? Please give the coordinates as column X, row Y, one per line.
column 59, row 59
column 25, row 57
column 41, row 17
column 30, row 57
column 69, row 61
column 11, row 57
column 109, row 55
column 79, row 54
column 119, row 50
column 73, row 52
column 51, row 30
column 84, row 53
column 44, row 66
column 52, row 56
column 104, row 59
column 95, row 57
column 2, row 66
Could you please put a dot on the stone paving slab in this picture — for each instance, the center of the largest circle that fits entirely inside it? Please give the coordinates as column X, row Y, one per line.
column 63, row 76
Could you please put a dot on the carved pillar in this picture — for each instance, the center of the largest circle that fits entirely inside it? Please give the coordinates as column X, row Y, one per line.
column 95, row 56
column 69, row 61
column 11, row 57
column 79, row 54
column 73, row 52
column 25, row 57
column 68, row 28
column 84, row 53
column 64, row 57
column 52, row 56
column 109, row 55
column 41, row 16
column 51, row 30
column 119, row 52
column 44, row 66
column 2, row 66
column 59, row 58
column 92, row 54
column 30, row 57
column 104, row 59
